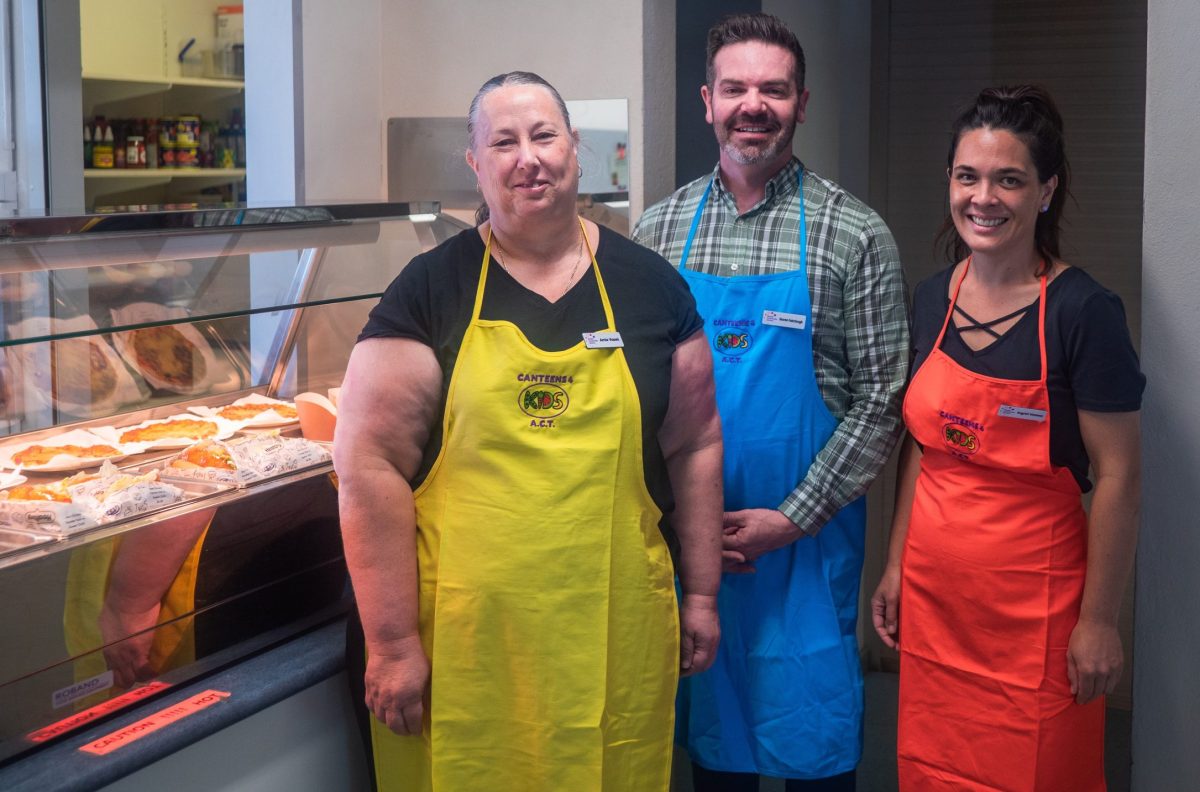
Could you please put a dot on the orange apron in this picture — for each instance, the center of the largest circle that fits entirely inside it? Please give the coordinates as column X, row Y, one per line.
column 994, row 567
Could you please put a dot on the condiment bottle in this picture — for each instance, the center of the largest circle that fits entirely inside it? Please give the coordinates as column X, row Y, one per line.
column 152, row 145
column 119, row 150
column 135, row 152
column 102, row 149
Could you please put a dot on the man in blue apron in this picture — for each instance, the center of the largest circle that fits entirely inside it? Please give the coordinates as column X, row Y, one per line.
column 803, row 298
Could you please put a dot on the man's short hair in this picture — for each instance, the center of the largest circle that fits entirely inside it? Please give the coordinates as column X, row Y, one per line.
column 768, row 29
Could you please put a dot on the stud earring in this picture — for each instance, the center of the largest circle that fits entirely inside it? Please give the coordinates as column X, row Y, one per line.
column 1045, row 208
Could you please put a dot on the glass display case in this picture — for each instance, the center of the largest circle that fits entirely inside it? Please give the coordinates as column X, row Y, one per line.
column 149, row 534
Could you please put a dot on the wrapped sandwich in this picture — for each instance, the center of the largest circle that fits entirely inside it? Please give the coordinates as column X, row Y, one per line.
column 85, row 500
column 242, row 460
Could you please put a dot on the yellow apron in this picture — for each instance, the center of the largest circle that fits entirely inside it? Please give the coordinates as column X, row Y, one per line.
column 547, row 604
column 87, row 584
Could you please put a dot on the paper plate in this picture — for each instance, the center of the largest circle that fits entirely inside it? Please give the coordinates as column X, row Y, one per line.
column 263, row 420
column 61, row 462
column 113, row 434
column 11, row 480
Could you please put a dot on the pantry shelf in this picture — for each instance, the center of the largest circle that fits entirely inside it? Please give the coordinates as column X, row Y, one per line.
column 105, row 88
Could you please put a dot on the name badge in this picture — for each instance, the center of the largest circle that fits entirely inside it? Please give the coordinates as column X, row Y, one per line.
column 781, row 319
column 602, row 340
column 1024, row 413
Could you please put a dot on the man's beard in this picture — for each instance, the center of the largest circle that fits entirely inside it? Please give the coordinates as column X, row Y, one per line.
column 755, row 154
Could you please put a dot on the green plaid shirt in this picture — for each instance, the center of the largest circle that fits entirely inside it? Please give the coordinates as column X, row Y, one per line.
column 860, row 321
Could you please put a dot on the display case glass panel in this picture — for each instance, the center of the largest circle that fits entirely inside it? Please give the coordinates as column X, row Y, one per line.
column 161, row 512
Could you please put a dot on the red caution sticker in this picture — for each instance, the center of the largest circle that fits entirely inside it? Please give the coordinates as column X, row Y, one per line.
column 93, row 713
column 159, row 720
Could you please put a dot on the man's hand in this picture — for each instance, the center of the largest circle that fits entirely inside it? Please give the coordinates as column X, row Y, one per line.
column 751, row 533
column 397, row 680
column 701, row 632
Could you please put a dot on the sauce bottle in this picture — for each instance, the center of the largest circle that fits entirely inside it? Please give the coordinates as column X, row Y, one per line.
column 102, row 148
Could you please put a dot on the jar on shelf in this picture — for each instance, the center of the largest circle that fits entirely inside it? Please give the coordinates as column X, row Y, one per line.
column 135, row 151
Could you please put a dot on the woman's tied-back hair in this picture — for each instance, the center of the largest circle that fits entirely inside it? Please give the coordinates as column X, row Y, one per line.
column 737, row 28
column 1028, row 112
column 502, row 81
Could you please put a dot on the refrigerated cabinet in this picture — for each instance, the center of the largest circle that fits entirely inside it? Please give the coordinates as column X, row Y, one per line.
column 264, row 301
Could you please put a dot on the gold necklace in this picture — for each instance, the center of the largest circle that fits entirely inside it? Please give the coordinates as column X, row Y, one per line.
column 570, row 278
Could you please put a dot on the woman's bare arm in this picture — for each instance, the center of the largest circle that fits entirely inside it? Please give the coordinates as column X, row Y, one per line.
column 388, row 403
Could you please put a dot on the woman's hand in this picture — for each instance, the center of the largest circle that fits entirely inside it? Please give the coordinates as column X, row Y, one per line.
column 128, row 638
column 701, row 632
column 1094, row 660
column 885, row 607
column 397, row 681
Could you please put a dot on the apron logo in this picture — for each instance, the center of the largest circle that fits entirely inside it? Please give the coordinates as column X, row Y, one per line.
column 732, row 343
column 543, row 402
column 960, row 439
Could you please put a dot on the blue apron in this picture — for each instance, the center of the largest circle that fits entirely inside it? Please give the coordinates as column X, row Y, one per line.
column 784, row 697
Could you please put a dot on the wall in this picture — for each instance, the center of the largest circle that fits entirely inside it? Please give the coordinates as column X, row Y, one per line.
column 837, row 52
column 1166, row 685
column 1091, row 57
column 344, row 69
column 438, row 54
column 695, row 149
column 836, row 41
column 409, row 60
column 657, row 152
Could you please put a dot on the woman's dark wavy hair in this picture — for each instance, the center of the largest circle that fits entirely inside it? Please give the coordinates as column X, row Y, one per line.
column 500, row 81
column 1028, row 112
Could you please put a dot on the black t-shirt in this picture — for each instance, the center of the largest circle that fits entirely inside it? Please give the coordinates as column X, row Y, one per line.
column 432, row 298
column 1089, row 355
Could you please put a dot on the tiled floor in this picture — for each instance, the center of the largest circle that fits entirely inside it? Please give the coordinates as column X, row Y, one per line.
column 877, row 773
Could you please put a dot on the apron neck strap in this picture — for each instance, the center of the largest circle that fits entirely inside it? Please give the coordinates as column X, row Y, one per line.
column 487, row 259
column 1041, row 317
column 483, row 274
column 687, row 245
column 608, row 311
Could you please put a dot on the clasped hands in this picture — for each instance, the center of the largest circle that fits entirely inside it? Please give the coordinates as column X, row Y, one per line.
column 752, row 533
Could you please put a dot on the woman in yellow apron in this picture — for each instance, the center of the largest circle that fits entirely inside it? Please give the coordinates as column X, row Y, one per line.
column 509, row 440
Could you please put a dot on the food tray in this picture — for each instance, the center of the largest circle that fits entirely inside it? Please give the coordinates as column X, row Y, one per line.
column 68, row 519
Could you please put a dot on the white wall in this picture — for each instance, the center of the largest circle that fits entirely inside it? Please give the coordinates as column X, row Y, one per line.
column 654, row 156
column 436, row 55
column 344, row 69
column 1166, row 714
column 367, row 61
column 371, row 60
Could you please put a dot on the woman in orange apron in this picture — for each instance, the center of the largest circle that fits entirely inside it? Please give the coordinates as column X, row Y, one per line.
column 516, row 590
column 1007, row 592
